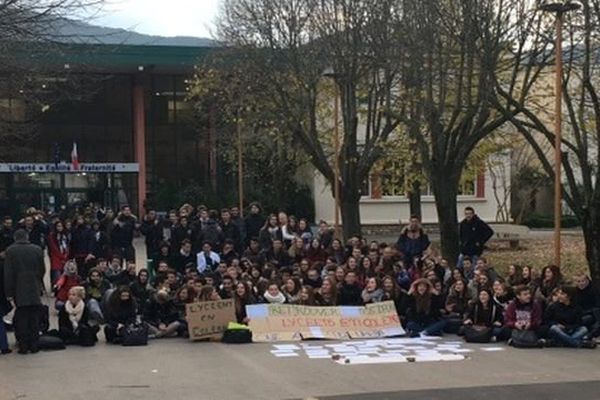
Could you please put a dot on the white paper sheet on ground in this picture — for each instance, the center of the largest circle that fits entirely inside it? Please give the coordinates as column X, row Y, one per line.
column 448, row 345
column 375, row 342
column 460, row 350
column 317, row 356
column 357, row 343
column 281, row 351
column 440, row 357
column 415, row 347
column 453, row 342
column 492, row 349
column 286, row 354
column 286, row 347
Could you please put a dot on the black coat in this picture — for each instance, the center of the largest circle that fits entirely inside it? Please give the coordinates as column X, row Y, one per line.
column 156, row 313
column 65, row 327
column 254, row 223
column 122, row 233
column 474, row 234
column 24, row 271
column 350, row 295
column 82, row 240
column 153, row 232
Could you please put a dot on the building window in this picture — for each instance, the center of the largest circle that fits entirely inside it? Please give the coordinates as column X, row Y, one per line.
column 392, row 182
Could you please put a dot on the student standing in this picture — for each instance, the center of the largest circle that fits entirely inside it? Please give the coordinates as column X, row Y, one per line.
column 24, row 271
column 474, row 234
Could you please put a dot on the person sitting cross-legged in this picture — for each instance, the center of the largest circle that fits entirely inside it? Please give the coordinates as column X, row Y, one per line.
column 74, row 320
column 565, row 320
column 523, row 316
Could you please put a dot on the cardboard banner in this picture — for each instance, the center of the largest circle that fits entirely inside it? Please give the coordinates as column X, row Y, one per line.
column 286, row 322
column 210, row 318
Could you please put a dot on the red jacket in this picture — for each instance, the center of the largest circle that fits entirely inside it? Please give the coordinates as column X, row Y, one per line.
column 58, row 257
column 64, row 284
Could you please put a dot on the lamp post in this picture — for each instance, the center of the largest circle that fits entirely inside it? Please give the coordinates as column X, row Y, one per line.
column 240, row 164
column 336, row 152
column 559, row 9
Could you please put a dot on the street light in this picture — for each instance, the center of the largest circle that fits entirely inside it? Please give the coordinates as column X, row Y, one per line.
column 330, row 73
column 560, row 9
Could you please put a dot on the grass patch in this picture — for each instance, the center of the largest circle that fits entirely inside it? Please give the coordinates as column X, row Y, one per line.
column 539, row 253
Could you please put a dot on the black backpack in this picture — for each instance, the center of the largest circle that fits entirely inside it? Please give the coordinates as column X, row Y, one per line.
column 237, row 336
column 135, row 335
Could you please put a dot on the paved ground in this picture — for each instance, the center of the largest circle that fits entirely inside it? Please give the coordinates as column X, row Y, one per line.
column 178, row 369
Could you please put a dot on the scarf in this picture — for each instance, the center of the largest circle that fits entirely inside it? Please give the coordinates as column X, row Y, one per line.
column 279, row 299
column 75, row 312
column 63, row 246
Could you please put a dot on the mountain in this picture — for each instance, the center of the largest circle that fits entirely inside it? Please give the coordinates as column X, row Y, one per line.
column 74, row 31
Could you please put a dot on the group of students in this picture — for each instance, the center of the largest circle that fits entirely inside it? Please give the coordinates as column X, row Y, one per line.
column 197, row 254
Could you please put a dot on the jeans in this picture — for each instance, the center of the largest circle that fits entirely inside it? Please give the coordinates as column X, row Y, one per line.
column 432, row 329
column 27, row 327
column 95, row 311
column 3, row 338
column 572, row 339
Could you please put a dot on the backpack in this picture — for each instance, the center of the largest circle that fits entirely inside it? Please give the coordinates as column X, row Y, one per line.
column 477, row 334
column 135, row 335
column 237, row 336
column 524, row 339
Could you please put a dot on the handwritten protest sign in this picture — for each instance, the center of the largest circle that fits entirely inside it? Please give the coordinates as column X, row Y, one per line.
column 210, row 318
column 286, row 322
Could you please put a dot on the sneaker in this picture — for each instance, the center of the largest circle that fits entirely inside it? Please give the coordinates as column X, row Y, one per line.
column 509, row 342
column 493, row 339
column 541, row 343
column 588, row 344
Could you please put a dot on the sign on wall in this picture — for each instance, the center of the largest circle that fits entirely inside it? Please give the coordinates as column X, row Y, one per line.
column 285, row 322
column 64, row 168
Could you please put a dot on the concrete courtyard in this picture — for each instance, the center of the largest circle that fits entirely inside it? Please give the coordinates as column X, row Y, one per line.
column 179, row 369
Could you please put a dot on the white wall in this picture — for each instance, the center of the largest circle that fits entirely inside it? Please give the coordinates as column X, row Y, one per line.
column 389, row 210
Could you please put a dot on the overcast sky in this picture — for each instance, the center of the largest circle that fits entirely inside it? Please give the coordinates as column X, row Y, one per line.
column 161, row 17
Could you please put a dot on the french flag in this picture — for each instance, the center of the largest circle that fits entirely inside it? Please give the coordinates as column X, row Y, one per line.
column 75, row 157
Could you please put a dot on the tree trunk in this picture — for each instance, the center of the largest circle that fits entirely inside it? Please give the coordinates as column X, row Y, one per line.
column 445, row 192
column 414, row 199
column 350, row 210
column 591, row 236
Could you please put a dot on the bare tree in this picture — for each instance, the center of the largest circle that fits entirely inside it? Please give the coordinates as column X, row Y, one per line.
column 581, row 142
column 293, row 42
column 457, row 51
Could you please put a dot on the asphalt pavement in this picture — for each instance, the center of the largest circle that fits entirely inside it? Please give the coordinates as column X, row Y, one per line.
column 180, row 369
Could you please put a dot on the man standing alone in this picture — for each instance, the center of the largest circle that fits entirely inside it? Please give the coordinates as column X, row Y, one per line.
column 474, row 234
column 24, row 270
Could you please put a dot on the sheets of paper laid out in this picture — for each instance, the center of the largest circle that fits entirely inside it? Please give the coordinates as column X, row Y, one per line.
column 286, row 347
column 492, row 348
column 286, row 354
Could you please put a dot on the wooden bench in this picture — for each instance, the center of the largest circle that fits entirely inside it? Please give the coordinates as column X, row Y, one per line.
column 510, row 233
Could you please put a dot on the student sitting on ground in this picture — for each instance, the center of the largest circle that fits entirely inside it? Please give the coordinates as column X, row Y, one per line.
column 564, row 319
column 161, row 316
column 120, row 312
column 327, row 294
column 95, row 289
column 307, row 296
column 588, row 298
column 273, row 295
column 350, row 291
column 372, row 292
column 67, row 280
column 74, row 320
column 457, row 305
column 141, row 289
column 523, row 316
column 484, row 318
column 422, row 314
column 291, row 290
column 242, row 298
